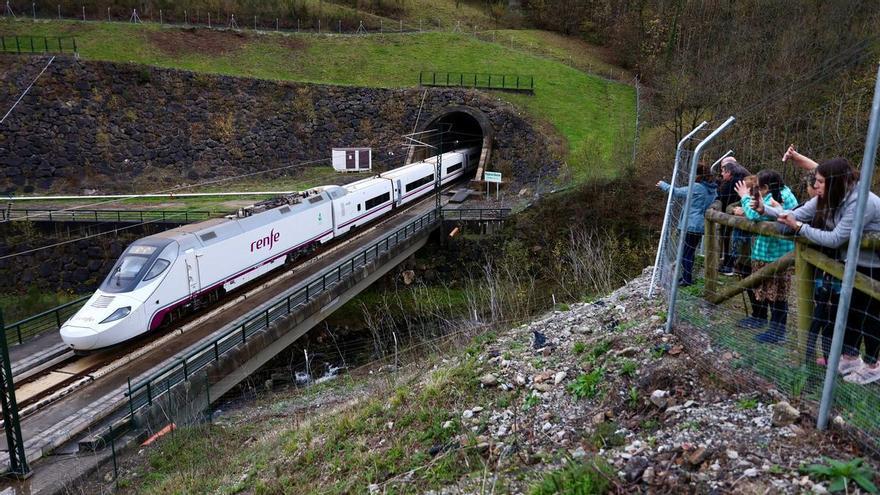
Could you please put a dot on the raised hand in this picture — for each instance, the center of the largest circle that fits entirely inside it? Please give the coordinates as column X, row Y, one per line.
column 787, row 219
column 798, row 159
column 742, row 189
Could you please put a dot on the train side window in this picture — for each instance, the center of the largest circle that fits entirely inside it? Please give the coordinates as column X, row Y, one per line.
column 359, row 207
column 378, row 200
column 158, row 267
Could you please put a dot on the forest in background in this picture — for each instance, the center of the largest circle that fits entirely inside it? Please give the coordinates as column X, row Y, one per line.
column 791, row 72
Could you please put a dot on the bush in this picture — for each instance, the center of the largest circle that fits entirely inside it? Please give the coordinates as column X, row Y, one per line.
column 577, row 478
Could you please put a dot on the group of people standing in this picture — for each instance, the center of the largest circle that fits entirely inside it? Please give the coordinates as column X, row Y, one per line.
column 825, row 219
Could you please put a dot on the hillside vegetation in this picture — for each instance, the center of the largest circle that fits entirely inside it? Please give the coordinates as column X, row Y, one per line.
column 289, row 13
column 594, row 117
column 791, row 72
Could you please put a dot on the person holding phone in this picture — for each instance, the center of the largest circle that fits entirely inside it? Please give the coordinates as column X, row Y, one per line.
column 703, row 196
column 827, row 221
column 731, row 173
column 772, row 292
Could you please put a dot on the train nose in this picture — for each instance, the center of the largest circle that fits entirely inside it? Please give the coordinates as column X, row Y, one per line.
column 79, row 337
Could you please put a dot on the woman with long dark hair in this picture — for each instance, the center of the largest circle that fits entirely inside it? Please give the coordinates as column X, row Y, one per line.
column 773, row 291
column 827, row 221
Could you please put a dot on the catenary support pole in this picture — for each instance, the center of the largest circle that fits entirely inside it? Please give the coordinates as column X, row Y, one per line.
column 662, row 244
column 716, row 162
column 852, row 256
column 695, row 160
column 18, row 465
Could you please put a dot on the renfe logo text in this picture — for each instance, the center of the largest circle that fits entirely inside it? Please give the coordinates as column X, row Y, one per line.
column 269, row 241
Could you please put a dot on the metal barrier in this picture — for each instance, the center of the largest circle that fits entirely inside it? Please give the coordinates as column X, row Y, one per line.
column 144, row 392
column 38, row 44
column 52, row 319
column 476, row 214
column 507, row 82
column 49, row 320
column 66, row 215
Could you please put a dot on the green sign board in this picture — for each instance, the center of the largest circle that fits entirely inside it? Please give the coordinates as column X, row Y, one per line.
column 492, row 176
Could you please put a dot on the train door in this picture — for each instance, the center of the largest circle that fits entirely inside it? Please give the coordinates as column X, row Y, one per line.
column 398, row 192
column 192, row 270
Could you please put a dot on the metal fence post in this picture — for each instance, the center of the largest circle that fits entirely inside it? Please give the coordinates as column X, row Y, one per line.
column 695, row 160
column 18, row 465
column 113, row 452
column 669, row 204
column 852, row 256
column 130, row 399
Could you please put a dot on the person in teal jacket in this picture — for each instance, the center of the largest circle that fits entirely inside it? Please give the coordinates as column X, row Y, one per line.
column 704, row 195
column 772, row 292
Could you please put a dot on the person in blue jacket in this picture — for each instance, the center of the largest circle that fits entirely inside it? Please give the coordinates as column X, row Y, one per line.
column 705, row 192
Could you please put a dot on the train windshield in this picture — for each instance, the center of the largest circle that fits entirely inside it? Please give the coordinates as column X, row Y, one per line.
column 130, row 268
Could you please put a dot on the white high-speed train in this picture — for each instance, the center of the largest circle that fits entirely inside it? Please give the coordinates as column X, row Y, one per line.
column 162, row 277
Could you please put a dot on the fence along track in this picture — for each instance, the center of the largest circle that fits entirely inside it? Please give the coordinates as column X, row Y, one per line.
column 710, row 311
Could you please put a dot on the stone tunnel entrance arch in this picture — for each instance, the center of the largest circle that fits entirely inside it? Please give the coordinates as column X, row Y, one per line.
column 464, row 127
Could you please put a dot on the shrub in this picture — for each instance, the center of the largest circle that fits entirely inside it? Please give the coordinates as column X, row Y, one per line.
column 577, row 478
column 587, row 384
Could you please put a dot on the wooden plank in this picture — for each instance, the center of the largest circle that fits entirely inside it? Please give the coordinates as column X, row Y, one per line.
column 754, row 279
column 863, row 282
column 870, row 240
column 710, row 245
column 803, row 274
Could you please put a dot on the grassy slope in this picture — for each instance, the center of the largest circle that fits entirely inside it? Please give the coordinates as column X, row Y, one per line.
column 17, row 307
column 580, row 107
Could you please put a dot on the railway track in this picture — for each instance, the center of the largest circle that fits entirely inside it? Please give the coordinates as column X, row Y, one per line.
column 65, row 373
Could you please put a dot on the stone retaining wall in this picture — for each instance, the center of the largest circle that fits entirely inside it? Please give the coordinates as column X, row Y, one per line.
column 111, row 127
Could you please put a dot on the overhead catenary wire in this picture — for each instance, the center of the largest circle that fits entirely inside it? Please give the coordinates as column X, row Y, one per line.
column 139, row 224
column 182, row 187
column 25, row 92
column 195, row 185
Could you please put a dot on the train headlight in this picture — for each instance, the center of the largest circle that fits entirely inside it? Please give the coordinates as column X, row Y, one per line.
column 118, row 314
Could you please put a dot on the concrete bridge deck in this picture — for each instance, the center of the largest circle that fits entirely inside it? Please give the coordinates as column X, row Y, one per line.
column 340, row 273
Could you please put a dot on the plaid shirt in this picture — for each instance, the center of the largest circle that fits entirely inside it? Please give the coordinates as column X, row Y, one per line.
column 769, row 249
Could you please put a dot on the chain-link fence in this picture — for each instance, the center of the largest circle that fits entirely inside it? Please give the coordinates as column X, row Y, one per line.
column 787, row 289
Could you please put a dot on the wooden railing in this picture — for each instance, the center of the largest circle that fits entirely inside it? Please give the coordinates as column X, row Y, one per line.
column 804, row 258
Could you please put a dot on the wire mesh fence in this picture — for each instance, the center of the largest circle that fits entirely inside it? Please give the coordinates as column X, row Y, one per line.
column 769, row 295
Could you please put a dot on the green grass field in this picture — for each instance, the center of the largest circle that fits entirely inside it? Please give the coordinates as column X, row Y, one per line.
column 593, row 116
column 19, row 306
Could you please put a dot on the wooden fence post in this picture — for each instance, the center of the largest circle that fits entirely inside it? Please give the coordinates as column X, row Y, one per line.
column 710, row 262
column 803, row 275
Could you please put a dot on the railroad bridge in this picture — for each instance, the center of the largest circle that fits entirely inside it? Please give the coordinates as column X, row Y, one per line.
column 174, row 377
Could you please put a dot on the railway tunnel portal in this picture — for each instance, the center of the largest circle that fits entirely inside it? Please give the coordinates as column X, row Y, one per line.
column 454, row 127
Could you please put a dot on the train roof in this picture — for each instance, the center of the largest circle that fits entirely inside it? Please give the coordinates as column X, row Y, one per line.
column 404, row 170
column 217, row 229
column 362, row 184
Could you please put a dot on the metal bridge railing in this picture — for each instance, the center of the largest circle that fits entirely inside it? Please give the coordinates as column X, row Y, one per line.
column 56, row 215
column 144, row 392
column 52, row 319
column 476, row 214
column 507, row 82
column 38, row 44
column 46, row 321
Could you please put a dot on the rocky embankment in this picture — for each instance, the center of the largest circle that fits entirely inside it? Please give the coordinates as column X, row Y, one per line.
column 596, row 396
